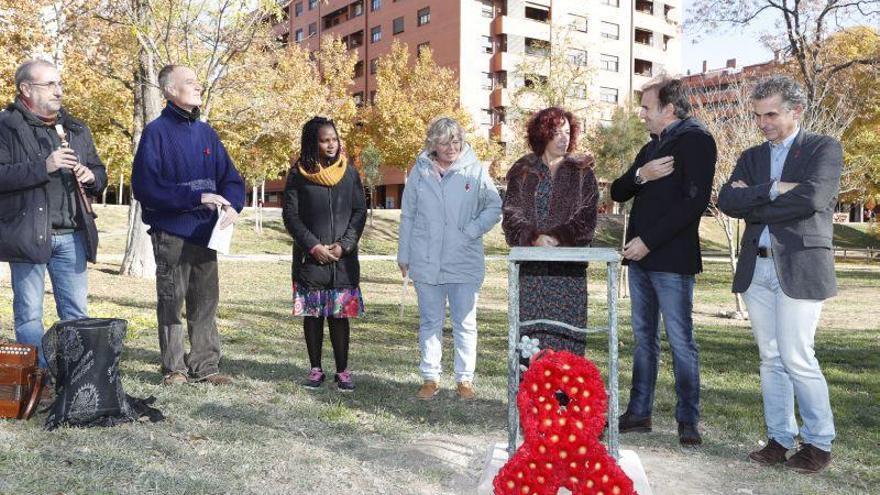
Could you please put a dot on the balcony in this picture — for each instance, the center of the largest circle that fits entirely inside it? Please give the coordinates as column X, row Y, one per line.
column 499, row 97
column 503, row 24
column 643, row 68
column 502, row 61
column 644, row 37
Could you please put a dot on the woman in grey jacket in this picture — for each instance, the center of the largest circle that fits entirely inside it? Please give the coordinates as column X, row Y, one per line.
column 449, row 202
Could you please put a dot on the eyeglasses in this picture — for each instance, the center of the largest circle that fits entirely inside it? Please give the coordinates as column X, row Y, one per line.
column 51, row 85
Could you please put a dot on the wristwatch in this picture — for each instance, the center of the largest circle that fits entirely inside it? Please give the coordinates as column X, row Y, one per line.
column 639, row 180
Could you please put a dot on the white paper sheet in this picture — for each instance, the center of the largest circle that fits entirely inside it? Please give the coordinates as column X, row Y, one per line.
column 221, row 239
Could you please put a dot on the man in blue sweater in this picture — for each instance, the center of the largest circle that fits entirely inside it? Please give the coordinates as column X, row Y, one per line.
column 181, row 175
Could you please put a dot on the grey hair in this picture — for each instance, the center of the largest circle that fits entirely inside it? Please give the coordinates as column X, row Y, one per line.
column 165, row 77
column 24, row 72
column 791, row 92
column 671, row 91
column 442, row 130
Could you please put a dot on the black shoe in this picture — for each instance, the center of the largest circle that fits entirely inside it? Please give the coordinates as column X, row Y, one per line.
column 809, row 460
column 688, row 434
column 630, row 423
column 772, row 454
column 314, row 379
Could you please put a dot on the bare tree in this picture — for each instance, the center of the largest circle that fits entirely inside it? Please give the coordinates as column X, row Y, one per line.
column 802, row 33
column 371, row 162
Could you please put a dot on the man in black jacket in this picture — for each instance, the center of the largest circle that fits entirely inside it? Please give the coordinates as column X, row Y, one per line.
column 671, row 181
column 45, row 219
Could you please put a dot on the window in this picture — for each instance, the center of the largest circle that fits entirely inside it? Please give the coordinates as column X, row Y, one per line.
column 533, row 80
column 313, row 29
column 644, row 37
column 609, row 62
column 356, row 9
column 579, row 91
column 422, row 47
column 487, row 9
column 358, row 98
column 397, row 25
column 501, row 43
column 487, row 44
column 373, row 97
column 486, row 79
column 578, row 22
column 537, row 47
column 424, row 16
column 501, row 79
column 374, row 65
column 359, row 69
column 313, row 4
column 298, row 9
column 577, row 56
column 375, row 34
column 613, row 3
column 354, row 40
column 645, row 7
column 499, row 116
column 608, row 95
column 375, row 5
column 643, row 67
column 610, row 30
column 298, row 36
column 537, row 13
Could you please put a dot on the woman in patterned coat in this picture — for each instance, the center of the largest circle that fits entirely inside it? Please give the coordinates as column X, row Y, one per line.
column 551, row 201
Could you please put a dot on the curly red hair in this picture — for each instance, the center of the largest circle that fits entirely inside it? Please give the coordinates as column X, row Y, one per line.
column 543, row 124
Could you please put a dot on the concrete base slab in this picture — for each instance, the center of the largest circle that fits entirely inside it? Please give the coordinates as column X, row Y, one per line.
column 497, row 455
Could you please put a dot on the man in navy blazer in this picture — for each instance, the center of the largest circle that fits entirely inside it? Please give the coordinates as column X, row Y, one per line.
column 786, row 190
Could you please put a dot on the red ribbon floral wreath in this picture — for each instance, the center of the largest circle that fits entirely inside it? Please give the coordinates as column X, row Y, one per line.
column 562, row 404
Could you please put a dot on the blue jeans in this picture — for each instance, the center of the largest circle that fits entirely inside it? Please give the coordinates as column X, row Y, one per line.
column 70, row 286
column 785, row 329
column 671, row 295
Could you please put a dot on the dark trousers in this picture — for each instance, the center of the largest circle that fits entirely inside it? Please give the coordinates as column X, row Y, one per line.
column 186, row 273
column 671, row 295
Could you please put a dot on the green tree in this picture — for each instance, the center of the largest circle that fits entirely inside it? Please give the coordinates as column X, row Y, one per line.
column 614, row 146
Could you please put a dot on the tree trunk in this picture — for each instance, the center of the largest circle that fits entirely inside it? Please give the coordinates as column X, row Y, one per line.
column 725, row 222
column 121, row 189
column 139, row 261
column 372, row 204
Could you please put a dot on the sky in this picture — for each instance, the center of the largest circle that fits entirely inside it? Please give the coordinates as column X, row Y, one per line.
column 715, row 48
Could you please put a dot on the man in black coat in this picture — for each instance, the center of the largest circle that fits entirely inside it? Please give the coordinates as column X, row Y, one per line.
column 786, row 190
column 48, row 164
column 671, row 181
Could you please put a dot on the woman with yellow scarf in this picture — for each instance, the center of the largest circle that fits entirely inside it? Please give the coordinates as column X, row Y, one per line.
column 325, row 211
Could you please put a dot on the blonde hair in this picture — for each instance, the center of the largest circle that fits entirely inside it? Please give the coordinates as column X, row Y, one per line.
column 442, row 130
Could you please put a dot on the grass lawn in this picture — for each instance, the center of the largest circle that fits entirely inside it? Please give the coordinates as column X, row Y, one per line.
column 266, row 434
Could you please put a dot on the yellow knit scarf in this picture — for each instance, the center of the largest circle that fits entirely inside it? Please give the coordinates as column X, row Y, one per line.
column 327, row 176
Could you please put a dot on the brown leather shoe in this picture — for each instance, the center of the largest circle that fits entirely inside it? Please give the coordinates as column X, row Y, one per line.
column 217, row 379
column 630, row 423
column 809, row 460
column 428, row 390
column 174, row 378
column 688, row 434
column 773, row 453
column 466, row 390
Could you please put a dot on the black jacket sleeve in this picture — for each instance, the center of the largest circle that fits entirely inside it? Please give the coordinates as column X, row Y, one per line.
column 303, row 238
column 21, row 175
column 358, row 219
column 696, row 157
column 93, row 161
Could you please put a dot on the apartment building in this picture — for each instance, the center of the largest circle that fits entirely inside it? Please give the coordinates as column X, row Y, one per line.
column 625, row 42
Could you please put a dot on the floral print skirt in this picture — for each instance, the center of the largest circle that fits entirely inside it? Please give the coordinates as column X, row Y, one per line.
column 329, row 303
